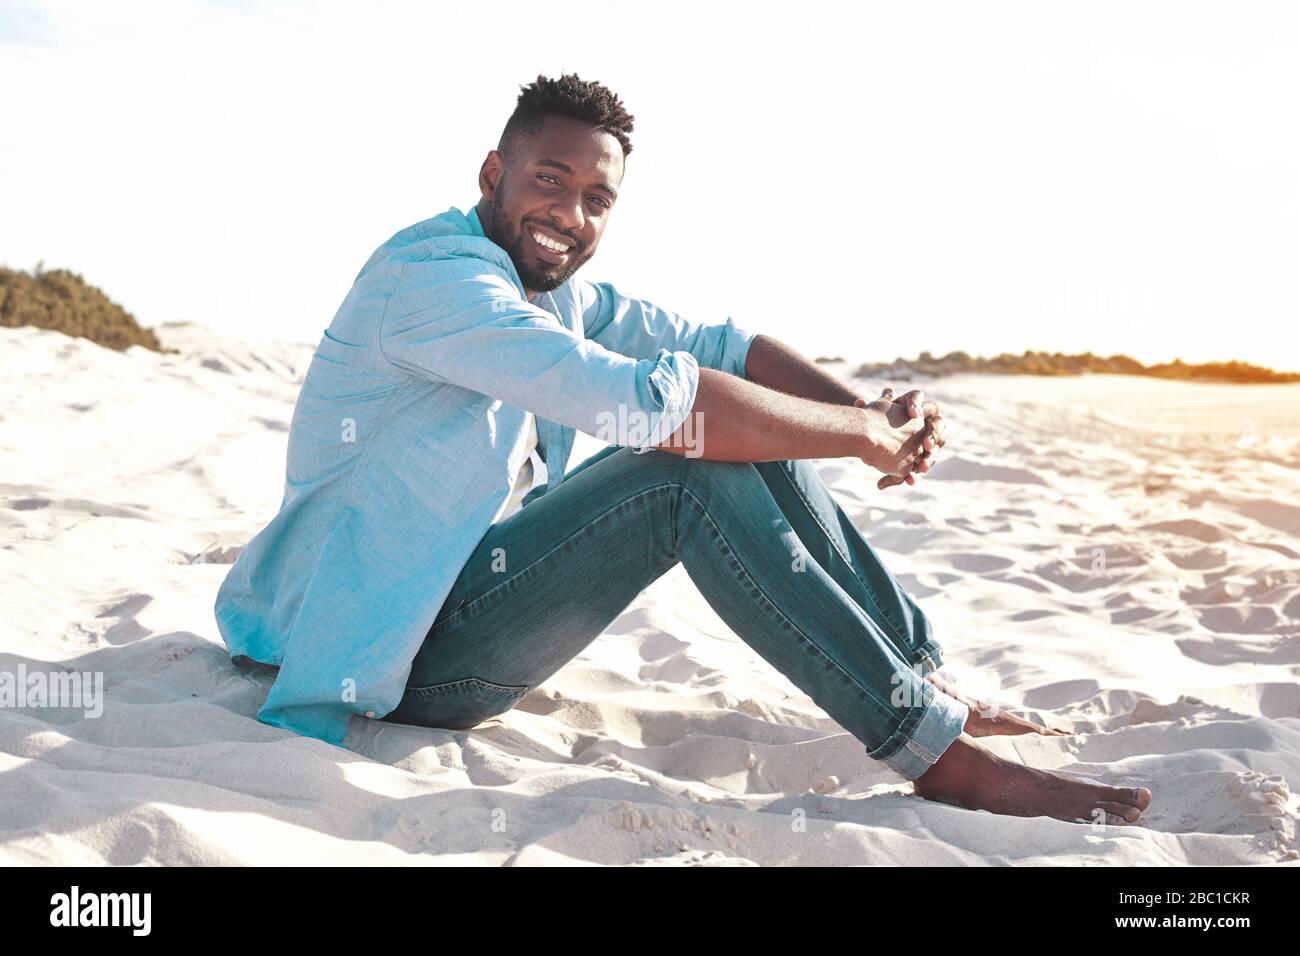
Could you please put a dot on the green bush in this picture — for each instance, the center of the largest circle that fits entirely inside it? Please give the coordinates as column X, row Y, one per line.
column 63, row 301
column 1057, row 363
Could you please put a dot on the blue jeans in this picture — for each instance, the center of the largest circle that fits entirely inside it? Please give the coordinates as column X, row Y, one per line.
column 767, row 546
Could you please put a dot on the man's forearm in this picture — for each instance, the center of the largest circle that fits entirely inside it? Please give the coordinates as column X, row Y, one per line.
column 737, row 420
column 772, row 363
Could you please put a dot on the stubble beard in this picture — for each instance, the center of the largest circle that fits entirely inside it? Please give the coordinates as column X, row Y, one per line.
column 516, row 244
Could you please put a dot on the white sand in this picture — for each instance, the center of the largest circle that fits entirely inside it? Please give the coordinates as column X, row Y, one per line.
column 1117, row 555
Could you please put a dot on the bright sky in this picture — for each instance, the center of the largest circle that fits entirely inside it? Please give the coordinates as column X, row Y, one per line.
column 862, row 179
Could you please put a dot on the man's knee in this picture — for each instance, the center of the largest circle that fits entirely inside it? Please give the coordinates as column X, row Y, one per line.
column 709, row 472
column 700, row 475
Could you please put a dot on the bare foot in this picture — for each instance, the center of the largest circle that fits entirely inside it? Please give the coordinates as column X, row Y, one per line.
column 1003, row 724
column 987, row 721
column 968, row 775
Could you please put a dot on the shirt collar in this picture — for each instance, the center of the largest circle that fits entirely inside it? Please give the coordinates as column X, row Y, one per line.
column 476, row 228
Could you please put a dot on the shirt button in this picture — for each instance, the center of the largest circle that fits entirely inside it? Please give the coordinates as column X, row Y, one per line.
column 370, row 713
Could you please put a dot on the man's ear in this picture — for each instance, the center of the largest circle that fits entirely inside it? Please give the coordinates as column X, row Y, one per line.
column 489, row 174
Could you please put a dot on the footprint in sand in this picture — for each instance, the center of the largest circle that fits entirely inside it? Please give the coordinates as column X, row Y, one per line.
column 1033, row 614
column 125, row 629
column 1189, row 528
column 1253, row 649
column 1266, row 800
column 1239, row 619
column 1133, row 615
column 1220, row 592
column 1196, row 559
column 215, row 555
column 1186, row 708
column 29, row 504
column 980, row 563
column 958, row 468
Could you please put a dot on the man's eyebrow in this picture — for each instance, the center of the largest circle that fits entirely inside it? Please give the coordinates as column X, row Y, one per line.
column 566, row 168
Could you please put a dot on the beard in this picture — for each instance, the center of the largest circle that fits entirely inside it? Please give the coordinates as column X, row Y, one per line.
column 536, row 276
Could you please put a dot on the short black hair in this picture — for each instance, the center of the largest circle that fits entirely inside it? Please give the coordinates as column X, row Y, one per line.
column 567, row 96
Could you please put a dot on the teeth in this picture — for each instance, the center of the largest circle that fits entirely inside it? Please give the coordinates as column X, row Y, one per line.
column 551, row 244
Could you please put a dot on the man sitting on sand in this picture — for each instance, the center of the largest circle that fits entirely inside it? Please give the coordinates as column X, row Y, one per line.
column 406, row 576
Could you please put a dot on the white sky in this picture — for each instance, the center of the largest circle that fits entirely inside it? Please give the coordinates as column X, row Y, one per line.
column 859, row 179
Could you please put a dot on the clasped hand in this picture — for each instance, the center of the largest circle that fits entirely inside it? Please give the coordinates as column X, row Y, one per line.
column 906, row 438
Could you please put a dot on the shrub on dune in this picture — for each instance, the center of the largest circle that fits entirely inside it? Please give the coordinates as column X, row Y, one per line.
column 64, row 301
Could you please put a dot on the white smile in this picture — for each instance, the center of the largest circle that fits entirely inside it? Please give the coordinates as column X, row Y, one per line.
column 548, row 243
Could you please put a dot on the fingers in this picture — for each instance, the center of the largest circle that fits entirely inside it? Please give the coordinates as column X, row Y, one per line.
column 914, row 401
column 916, row 404
column 890, row 481
column 928, row 458
column 909, row 455
column 911, row 400
column 921, row 449
column 933, row 435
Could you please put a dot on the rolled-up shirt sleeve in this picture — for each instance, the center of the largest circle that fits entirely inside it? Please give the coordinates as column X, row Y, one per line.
column 638, row 328
column 460, row 319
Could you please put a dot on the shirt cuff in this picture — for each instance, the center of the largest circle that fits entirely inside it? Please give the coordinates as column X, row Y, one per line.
column 673, row 383
column 323, row 722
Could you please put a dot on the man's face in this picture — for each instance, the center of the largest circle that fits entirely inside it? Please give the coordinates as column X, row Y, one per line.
column 551, row 199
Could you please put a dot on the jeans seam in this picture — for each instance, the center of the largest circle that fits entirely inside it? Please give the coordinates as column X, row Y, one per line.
column 446, row 687
column 920, row 751
column 843, row 557
column 532, row 564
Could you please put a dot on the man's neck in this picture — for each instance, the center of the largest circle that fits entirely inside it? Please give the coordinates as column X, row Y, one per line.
column 484, row 210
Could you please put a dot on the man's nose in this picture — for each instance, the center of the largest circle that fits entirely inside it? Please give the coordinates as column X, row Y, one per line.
column 568, row 214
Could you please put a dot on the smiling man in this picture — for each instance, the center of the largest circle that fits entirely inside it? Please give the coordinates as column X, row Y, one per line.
column 407, row 577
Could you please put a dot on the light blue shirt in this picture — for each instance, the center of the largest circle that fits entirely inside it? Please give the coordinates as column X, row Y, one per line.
column 407, row 434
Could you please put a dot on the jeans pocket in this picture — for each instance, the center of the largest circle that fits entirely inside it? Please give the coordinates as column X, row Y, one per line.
column 457, row 704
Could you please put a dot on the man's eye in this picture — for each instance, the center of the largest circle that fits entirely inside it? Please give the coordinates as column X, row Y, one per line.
column 600, row 201
column 548, row 177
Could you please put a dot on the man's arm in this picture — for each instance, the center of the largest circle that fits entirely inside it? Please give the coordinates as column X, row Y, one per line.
column 772, row 363
column 459, row 318
column 639, row 328
column 790, row 409
column 733, row 419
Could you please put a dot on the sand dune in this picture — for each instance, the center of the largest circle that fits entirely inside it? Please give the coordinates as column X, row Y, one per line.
column 1117, row 555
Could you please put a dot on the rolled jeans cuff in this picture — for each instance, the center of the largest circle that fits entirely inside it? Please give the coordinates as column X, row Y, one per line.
column 939, row 726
